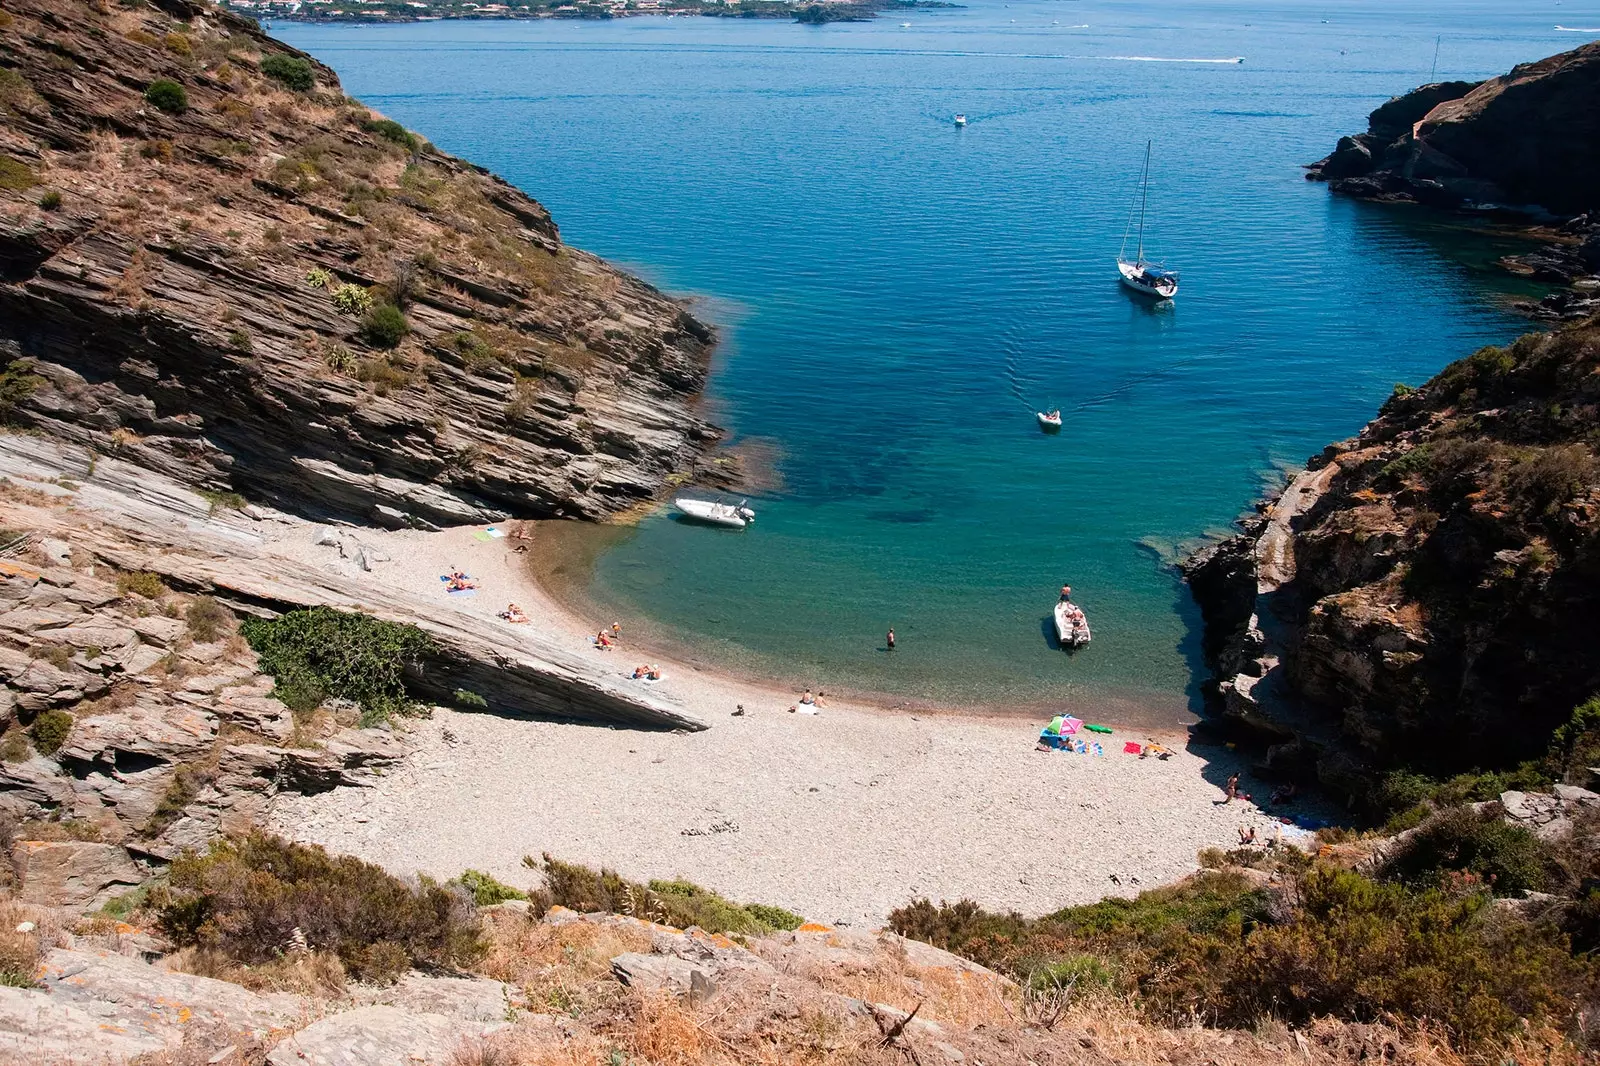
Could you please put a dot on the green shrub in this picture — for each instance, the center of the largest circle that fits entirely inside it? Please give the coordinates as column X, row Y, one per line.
column 142, row 583
column 485, row 890
column 292, row 72
column 1075, row 974
column 318, row 278
column 207, row 619
column 163, row 94
column 1506, row 858
column 392, row 131
column 385, row 326
column 465, row 697
column 476, row 353
column 676, row 903
column 351, row 299
column 50, row 730
column 17, row 383
column 50, row 200
column 1541, row 482
column 319, row 653
column 239, row 340
column 15, row 175
column 246, row 897
column 339, row 358
column 1576, row 746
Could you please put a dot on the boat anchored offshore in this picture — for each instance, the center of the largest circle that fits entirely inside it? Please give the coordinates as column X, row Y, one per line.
column 1072, row 627
column 733, row 516
column 1137, row 274
column 1049, row 421
column 961, row 120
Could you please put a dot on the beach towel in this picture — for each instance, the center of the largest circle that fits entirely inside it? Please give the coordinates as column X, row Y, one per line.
column 1098, row 750
column 497, row 534
column 481, row 535
column 461, row 592
column 1098, row 728
column 1132, row 748
column 1080, row 747
column 805, row 708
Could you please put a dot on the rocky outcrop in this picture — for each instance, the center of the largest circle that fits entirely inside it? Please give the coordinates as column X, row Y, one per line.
column 1527, row 142
column 1423, row 595
column 185, row 283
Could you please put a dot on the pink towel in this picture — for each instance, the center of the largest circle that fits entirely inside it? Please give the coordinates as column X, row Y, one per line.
column 1132, row 748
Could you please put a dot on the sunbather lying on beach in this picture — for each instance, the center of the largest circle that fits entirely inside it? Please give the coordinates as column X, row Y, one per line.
column 513, row 613
column 460, row 584
column 645, row 672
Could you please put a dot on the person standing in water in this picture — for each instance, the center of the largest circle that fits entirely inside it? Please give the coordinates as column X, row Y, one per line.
column 890, row 639
column 1066, row 593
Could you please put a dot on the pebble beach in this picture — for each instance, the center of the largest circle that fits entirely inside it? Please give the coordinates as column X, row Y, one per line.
column 841, row 816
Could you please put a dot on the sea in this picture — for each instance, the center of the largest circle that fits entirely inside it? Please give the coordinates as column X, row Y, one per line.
column 898, row 295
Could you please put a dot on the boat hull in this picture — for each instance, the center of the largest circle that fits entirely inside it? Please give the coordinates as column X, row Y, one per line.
column 712, row 514
column 1135, row 279
column 1048, row 424
column 1071, row 634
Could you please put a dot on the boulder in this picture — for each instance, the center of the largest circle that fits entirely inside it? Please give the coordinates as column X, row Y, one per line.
column 163, row 731
column 377, row 1036
column 472, row 999
column 1351, row 158
column 665, row 973
column 39, row 1030
column 73, row 873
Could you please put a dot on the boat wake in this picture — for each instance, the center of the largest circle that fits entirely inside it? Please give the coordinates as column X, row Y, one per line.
column 1163, row 59
column 1579, row 29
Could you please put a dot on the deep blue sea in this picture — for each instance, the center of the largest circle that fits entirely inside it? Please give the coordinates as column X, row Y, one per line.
column 898, row 297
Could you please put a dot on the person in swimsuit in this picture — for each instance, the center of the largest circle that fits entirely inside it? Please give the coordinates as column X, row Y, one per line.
column 890, row 639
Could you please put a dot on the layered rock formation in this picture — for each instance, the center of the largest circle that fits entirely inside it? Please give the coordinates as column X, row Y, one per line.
column 1424, row 595
column 195, row 227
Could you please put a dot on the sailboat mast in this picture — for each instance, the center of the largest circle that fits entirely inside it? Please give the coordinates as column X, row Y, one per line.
column 1144, row 199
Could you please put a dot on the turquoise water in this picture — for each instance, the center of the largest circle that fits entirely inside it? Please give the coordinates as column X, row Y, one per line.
column 899, row 296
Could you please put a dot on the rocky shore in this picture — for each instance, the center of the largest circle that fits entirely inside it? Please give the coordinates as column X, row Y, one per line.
column 1422, row 596
column 1521, row 148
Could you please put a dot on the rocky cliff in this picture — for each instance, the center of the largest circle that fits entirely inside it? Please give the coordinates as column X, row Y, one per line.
column 1424, row 595
column 215, row 264
column 1526, row 143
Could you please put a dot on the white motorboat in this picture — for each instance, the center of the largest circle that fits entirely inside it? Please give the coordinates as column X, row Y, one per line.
column 1049, row 421
column 961, row 120
column 1072, row 627
column 733, row 516
column 1137, row 273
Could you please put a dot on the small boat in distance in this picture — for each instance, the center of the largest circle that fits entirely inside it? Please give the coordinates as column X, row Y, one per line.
column 1050, row 421
column 1137, row 274
column 732, row 516
column 1072, row 627
column 961, row 120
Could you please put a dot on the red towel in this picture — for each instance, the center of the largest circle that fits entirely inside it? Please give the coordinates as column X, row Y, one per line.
column 1132, row 748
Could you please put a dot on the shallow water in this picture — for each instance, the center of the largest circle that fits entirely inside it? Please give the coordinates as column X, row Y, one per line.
column 899, row 296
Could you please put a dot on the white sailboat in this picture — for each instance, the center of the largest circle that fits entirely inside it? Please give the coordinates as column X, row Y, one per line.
column 734, row 516
column 1138, row 274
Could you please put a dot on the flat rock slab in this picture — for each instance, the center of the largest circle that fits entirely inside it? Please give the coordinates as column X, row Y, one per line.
column 471, row 999
column 664, row 973
column 377, row 1036
column 142, row 1001
column 37, row 1029
column 72, row 873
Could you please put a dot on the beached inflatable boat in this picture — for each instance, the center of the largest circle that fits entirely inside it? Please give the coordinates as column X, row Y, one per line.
column 1072, row 627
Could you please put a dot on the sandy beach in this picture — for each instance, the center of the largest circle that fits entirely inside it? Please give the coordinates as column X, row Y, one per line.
column 842, row 815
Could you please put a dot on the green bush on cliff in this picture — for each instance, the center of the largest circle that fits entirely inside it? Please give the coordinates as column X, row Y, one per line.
column 385, row 326
column 1576, row 746
column 246, row 897
column 1460, row 840
column 50, row 731
column 292, row 72
column 319, row 653
column 485, row 890
column 164, row 94
column 392, row 131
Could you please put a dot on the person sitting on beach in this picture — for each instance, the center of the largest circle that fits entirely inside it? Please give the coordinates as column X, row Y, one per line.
column 820, row 694
column 616, row 631
column 602, row 641
column 808, row 699
column 641, row 671
column 654, row 673
column 1247, row 836
column 513, row 613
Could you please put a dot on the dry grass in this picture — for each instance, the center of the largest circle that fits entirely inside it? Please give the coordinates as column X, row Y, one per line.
column 313, row 974
column 561, row 968
column 960, row 998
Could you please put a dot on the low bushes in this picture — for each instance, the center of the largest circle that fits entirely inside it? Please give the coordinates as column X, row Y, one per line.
column 207, row 619
column 676, row 903
column 391, row 131
column 50, row 731
column 319, row 653
column 486, row 891
column 1505, row 858
column 247, row 897
column 1332, row 942
column 384, row 326
column 292, row 72
column 163, row 94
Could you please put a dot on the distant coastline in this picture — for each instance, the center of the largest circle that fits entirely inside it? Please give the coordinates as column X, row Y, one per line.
column 387, row 11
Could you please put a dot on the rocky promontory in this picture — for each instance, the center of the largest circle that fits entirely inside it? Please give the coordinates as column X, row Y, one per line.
column 215, row 264
column 1424, row 595
column 1525, row 144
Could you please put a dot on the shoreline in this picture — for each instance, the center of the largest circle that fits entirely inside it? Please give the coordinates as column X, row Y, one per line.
column 563, row 579
column 841, row 815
